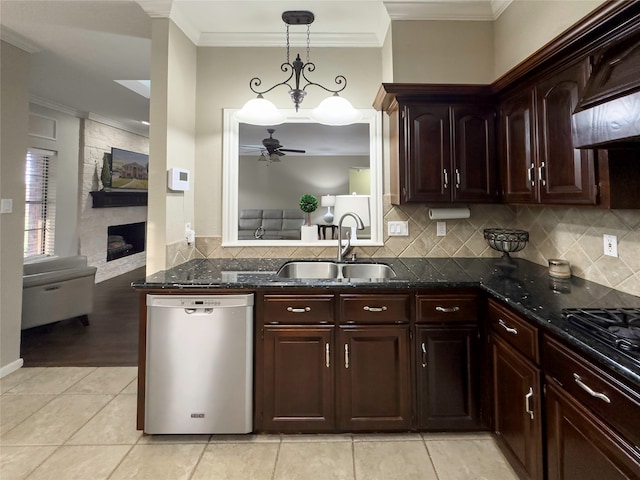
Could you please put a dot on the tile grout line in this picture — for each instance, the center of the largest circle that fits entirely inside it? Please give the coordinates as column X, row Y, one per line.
column 275, row 463
column 426, row 447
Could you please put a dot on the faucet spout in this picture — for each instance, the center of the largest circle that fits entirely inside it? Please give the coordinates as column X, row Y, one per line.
column 342, row 252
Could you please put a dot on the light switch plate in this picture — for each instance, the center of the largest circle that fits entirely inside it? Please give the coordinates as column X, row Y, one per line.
column 398, row 229
column 6, row 205
column 610, row 245
column 441, row 229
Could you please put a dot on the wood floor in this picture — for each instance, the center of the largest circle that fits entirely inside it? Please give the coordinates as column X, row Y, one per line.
column 111, row 339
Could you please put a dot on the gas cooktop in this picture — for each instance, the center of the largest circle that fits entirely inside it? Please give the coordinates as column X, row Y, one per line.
column 617, row 327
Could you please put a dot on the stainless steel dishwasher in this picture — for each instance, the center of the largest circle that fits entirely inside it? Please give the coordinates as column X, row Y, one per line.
column 199, row 371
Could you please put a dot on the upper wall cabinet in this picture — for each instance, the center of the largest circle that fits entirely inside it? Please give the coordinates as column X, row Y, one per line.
column 442, row 143
column 539, row 162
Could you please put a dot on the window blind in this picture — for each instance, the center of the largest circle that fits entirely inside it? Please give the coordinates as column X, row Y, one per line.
column 40, row 205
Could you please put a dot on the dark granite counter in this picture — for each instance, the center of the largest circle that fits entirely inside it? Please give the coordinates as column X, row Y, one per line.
column 527, row 288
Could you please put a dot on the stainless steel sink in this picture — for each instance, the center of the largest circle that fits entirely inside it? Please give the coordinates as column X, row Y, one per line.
column 334, row 270
column 367, row 270
column 309, row 270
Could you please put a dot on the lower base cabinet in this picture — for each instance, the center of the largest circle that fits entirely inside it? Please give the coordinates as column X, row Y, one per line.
column 447, row 378
column 517, row 415
column 582, row 447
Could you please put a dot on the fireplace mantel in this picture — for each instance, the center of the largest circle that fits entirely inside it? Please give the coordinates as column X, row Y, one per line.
column 123, row 198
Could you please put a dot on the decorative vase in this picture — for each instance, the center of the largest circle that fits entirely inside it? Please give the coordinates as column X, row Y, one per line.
column 309, row 233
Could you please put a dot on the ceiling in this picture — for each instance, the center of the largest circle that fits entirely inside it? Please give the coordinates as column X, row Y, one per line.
column 79, row 48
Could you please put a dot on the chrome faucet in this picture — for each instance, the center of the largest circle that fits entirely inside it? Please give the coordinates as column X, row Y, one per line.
column 359, row 225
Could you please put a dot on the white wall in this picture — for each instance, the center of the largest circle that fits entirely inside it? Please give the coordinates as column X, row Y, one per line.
column 442, row 52
column 526, row 26
column 67, row 146
column 172, row 139
column 14, row 71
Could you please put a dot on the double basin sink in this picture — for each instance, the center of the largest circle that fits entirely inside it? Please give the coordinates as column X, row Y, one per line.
column 335, row 270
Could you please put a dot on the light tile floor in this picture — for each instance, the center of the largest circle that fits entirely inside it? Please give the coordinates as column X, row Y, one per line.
column 79, row 423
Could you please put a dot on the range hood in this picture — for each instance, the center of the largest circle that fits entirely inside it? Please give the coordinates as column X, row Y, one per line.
column 608, row 114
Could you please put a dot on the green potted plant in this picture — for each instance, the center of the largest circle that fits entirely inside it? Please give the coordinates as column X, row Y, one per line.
column 308, row 204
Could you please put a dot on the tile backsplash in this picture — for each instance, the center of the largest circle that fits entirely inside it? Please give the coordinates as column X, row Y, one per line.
column 573, row 234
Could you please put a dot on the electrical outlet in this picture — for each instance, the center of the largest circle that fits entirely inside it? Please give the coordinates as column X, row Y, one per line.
column 398, row 229
column 441, row 229
column 6, row 205
column 610, row 245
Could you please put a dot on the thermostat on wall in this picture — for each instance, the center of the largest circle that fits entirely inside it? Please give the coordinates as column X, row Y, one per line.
column 178, row 179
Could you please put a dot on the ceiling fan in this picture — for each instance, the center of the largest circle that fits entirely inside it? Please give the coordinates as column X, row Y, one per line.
column 271, row 148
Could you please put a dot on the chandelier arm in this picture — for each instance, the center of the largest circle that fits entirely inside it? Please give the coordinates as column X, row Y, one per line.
column 339, row 80
column 256, row 82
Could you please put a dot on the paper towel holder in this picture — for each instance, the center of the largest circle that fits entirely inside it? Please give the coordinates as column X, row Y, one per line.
column 450, row 213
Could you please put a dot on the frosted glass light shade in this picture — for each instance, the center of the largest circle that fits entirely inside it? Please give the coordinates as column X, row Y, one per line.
column 327, row 200
column 335, row 111
column 259, row 111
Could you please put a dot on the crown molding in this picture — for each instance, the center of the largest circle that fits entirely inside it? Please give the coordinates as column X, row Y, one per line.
column 156, row 8
column 250, row 39
column 116, row 124
column 486, row 11
column 17, row 40
column 58, row 107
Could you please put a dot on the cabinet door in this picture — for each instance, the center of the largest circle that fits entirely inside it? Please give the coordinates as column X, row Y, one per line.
column 580, row 446
column 447, row 378
column 474, row 173
column 297, row 368
column 565, row 174
column 427, row 158
column 518, row 148
column 516, row 384
column 374, row 389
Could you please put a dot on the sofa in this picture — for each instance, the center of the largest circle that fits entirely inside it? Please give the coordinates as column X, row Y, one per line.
column 55, row 288
column 270, row 224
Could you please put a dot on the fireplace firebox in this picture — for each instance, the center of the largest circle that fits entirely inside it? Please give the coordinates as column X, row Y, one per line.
column 124, row 240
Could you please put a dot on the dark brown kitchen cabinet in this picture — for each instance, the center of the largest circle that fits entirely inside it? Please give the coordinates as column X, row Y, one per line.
column 443, row 143
column 539, row 161
column 516, row 379
column 446, row 361
column 447, row 378
column 593, row 427
column 298, row 371
column 374, row 378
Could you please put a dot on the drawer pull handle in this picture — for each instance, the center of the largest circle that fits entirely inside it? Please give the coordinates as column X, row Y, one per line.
column 52, row 288
column 590, row 390
column 274, row 323
column 298, row 310
column 509, row 329
column 527, row 402
column 424, row 355
column 327, row 359
column 457, row 178
column 447, row 309
column 542, row 174
column 446, row 178
column 346, row 355
column 374, row 309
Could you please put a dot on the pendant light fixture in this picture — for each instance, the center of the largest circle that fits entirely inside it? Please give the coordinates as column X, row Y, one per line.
column 334, row 110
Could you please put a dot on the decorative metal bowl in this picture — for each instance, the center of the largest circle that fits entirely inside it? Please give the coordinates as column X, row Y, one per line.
column 506, row 240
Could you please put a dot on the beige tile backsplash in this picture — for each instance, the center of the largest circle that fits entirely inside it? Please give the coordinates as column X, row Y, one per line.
column 574, row 234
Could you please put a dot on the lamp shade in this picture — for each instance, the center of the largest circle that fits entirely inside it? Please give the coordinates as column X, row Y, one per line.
column 259, row 111
column 327, row 200
column 358, row 204
column 335, row 111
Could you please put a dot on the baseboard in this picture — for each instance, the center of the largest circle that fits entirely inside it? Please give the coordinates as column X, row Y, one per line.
column 12, row 367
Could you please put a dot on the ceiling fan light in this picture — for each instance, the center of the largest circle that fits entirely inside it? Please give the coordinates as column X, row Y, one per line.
column 259, row 111
column 335, row 111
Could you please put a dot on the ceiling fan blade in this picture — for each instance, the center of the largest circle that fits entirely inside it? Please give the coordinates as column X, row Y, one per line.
column 291, row 150
column 279, row 153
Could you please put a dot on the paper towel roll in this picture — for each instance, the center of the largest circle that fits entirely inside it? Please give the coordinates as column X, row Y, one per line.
column 448, row 213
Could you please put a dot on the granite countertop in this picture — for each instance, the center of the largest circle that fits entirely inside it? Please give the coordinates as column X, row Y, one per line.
column 527, row 288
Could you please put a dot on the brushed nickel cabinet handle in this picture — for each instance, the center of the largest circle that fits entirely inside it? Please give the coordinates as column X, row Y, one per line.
column 298, row 310
column 374, row 309
column 590, row 390
column 542, row 175
column 424, row 355
column 327, row 358
column 447, row 309
column 446, row 178
column 346, row 355
column 457, row 178
column 530, row 172
column 509, row 329
column 527, row 402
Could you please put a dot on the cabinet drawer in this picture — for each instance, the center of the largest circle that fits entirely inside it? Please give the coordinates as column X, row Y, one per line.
column 298, row 309
column 374, row 308
column 593, row 389
column 446, row 309
column 516, row 331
